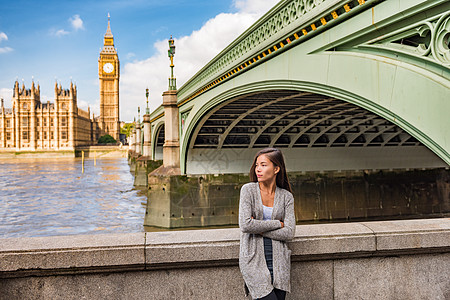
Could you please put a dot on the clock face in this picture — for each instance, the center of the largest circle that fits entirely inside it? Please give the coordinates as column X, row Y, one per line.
column 108, row 67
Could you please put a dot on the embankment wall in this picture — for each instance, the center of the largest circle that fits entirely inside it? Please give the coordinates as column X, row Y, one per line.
column 89, row 151
column 370, row 260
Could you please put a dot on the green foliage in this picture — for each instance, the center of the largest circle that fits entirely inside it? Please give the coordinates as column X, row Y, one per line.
column 126, row 129
column 106, row 139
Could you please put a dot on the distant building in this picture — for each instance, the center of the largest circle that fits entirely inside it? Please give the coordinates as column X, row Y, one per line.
column 31, row 125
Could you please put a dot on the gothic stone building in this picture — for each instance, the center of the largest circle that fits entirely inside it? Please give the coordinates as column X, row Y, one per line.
column 31, row 125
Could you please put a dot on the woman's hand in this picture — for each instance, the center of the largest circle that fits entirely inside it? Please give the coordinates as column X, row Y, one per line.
column 282, row 224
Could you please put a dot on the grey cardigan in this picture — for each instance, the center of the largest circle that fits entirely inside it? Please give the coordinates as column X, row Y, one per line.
column 252, row 262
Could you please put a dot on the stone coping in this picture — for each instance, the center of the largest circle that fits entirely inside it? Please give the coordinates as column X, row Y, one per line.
column 40, row 256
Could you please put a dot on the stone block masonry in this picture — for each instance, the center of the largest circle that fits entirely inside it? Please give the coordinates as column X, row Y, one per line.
column 213, row 200
column 369, row 260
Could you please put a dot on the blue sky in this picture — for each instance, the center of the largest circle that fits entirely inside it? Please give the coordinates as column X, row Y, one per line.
column 61, row 40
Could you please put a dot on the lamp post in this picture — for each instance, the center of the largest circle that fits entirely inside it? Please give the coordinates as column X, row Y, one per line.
column 147, row 111
column 171, row 53
column 138, row 134
column 139, row 115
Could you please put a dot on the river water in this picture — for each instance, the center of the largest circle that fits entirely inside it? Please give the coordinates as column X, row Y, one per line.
column 48, row 197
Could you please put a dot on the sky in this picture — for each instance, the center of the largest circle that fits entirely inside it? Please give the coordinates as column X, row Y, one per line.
column 60, row 41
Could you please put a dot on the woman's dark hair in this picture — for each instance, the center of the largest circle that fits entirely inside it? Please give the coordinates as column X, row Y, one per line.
column 276, row 157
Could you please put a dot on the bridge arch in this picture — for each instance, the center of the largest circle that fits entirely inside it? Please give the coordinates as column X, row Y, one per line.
column 395, row 126
column 158, row 140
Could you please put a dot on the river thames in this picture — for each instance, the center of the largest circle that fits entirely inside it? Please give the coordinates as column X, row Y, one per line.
column 48, row 197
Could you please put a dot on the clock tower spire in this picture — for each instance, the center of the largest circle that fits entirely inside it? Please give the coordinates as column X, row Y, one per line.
column 108, row 72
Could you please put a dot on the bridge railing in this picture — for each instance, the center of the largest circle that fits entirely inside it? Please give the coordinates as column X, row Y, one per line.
column 286, row 24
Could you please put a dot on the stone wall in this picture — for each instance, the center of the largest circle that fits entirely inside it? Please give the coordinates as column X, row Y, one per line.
column 371, row 260
column 211, row 200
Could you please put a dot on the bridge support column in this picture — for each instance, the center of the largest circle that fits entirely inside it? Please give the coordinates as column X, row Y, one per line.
column 143, row 163
column 171, row 147
column 138, row 139
column 147, row 137
column 132, row 145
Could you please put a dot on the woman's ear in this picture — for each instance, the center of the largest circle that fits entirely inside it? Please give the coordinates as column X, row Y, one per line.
column 277, row 169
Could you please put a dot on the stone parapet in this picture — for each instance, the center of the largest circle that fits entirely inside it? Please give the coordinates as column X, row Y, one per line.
column 340, row 261
column 71, row 254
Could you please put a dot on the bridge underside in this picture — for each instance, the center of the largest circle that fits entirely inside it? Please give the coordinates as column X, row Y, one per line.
column 158, row 147
column 315, row 132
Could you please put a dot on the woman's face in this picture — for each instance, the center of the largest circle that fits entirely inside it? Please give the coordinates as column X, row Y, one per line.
column 265, row 170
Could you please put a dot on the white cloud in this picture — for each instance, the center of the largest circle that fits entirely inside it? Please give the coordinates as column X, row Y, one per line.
column 3, row 36
column 130, row 55
column 76, row 22
column 94, row 109
column 5, row 50
column 254, row 6
column 6, row 94
column 60, row 33
column 192, row 53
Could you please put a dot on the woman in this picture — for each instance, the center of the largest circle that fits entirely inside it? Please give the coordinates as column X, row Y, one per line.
column 267, row 221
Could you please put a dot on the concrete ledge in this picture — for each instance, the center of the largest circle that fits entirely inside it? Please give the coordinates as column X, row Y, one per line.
column 370, row 260
column 71, row 254
column 411, row 235
column 183, row 249
column 194, row 247
column 332, row 240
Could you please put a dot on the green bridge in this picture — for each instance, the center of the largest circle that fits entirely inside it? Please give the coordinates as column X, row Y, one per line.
column 338, row 85
column 355, row 93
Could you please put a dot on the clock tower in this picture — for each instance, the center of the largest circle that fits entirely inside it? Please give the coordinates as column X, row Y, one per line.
column 109, row 73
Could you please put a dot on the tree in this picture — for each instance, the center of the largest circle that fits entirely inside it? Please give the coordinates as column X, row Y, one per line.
column 126, row 129
column 106, row 139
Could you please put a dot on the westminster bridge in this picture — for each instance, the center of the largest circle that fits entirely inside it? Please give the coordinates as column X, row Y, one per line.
column 338, row 85
column 355, row 93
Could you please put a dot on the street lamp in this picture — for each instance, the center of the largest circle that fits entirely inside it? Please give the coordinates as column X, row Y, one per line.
column 139, row 115
column 147, row 111
column 171, row 53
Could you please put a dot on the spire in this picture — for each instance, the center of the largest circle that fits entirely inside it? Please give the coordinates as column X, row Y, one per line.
column 108, row 40
column 108, row 33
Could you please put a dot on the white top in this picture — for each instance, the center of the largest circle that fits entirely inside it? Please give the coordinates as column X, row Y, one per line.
column 267, row 212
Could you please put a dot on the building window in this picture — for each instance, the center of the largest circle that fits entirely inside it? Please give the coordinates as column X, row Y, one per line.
column 8, row 123
column 37, row 122
column 52, row 136
column 45, row 135
column 25, row 122
column 25, row 106
column 37, row 135
column 25, row 135
column 64, row 135
column 51, row 122
column 63, row 106
column 63, row 121
column 8, row 136
column 45, row 122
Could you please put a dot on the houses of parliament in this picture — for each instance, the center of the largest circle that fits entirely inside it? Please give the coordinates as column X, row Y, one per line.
column 31, row 125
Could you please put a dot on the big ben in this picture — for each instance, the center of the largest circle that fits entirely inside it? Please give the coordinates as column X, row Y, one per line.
column 109, row 73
